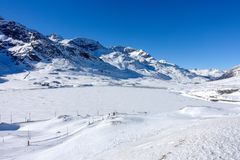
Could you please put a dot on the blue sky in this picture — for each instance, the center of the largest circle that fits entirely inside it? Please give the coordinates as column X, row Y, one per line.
column 190, row 33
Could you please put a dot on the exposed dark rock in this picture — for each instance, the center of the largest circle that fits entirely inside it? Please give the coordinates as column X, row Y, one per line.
column 227, row 91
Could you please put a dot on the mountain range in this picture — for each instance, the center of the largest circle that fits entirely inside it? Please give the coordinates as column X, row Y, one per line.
column 23, row 49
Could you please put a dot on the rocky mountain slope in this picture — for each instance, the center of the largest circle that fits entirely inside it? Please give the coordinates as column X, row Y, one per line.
column 143, row 63
column 23, row 49
column 235, row 72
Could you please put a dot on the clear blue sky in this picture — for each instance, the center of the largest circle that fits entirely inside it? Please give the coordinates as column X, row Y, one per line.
column 190, row 33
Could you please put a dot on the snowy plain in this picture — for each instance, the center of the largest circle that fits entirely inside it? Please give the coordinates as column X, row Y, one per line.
column 99, row 118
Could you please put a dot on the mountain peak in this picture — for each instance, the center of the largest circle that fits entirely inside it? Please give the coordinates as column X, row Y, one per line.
column 55, row 37
column 19, row 32
column 87, row 44
column 123, row 49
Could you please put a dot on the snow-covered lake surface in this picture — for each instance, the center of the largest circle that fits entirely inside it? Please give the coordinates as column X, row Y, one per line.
column 152, row 119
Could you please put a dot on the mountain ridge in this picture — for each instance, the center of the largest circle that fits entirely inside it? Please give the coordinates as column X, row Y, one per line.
column 23, row 48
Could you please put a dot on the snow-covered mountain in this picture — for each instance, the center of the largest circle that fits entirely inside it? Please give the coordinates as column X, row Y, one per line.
column 23, row 49
column 210, row 73
column 143, row 63
column 235, row 72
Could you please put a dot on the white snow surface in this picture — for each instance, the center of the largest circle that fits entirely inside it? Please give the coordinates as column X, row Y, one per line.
column 85, row 117
column 226, row 90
